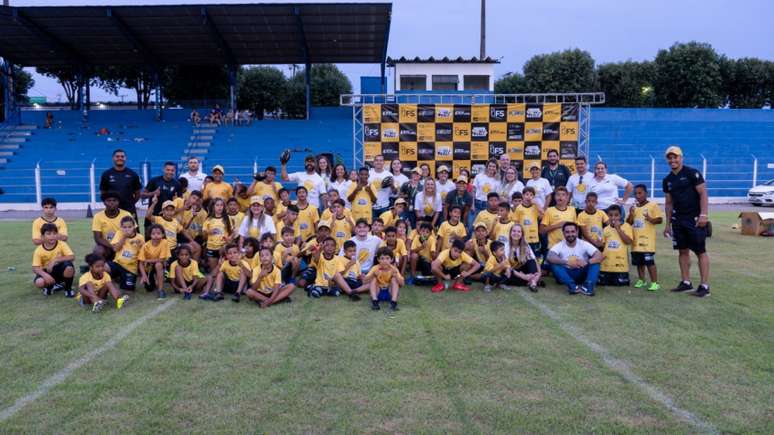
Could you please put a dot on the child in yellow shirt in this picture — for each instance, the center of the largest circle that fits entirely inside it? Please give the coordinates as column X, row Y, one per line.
column 643, row 217
column 94, row 285
column 231, row 277
column 184, row 273
column 617, row 236
column 497, row 269
column 127, row 246
column 48, row 205
column 52, row 263
column 592, row 221
column 266, row 285
column 385, row 280
column 423, row 250
column 153, row 255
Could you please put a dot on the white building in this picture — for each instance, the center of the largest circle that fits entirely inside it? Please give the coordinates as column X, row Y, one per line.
column 443, row 75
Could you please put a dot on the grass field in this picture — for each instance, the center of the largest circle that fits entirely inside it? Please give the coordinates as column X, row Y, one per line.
column 446, row 362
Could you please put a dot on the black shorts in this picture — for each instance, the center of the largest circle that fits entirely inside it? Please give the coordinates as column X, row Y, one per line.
column 613, row 279
column 643, row 258
column 57, row 272
column 212, row 253
column 452, row 272
column 424, row 266
column 126, row 280
column 230, row 286
column 686, row 235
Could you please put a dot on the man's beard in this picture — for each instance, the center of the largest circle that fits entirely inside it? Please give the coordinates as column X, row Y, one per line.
column 571, row 239
column 309, row 168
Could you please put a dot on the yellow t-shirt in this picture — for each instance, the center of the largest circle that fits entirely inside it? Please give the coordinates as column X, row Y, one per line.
column 149, row 251
column 265, row 191
column 389, row 218
column 97, row 283
column 326, row 268
column 196, row 222
column 236, row 221
column 362, row 206
column 217, row 239
column 244, row 203
column 400, row 248
column 307, row 221
column 231, row 271
column 220, row 190
column 553, row 216
column 477, row 246
column 42, row 256
column 268, row 282
column 491, row 263
column 616, row 251
column 341, row 231
column 528, row 217
column 353, row 271
column 61, row 226
column 189, row 272
column 446, row 231
column 281, row 224
column 488, row 218
column 126, row 257
column 501, row 231
column 279, row 253
column 594, row 223
column 383, row 276
column 645, row 232
column 108, row 226
column 171, row 228
column 327, row 214
column 448, row 263
column 428, row 246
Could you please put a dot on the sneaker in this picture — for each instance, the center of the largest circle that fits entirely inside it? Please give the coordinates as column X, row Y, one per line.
column 217, row 297
column 334, row 293
column 586, row 291
column 315, row 292
column 98, row 306
column 654, row 286
column 121, row 301
column 640, row 283
column 394, row 306
column 47, row 291
column 684, row 286
column 506, row 287
column 532, row 288
column 375, row 306
column 206, row 296
column 487, row 288
column 701, row 291
column 354, row 297
column 461, row 287
column 438, row 288
column 574, row 291
column 56, row 287
column 69, row 293
column 235, row 297
column 410, row 280
column 162, row 294
column 186, row 296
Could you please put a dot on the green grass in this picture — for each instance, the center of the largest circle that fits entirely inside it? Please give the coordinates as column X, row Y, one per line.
column 447, row 362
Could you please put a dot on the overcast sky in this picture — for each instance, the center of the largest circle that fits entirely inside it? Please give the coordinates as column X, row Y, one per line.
column 611, row 30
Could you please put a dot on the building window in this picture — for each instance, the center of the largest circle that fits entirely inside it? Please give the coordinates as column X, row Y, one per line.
column 413, row 83
column 476, row 83
column 445, row 83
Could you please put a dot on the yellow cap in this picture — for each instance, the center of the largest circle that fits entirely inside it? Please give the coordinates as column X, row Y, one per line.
column 674, row 150
column 168, row 203
column 325, row 224
column 400, row 201
column 480, row 224
column 443, row 168
column 533, row 165
column 218, row 168
column 255, row 199
column 462, row 179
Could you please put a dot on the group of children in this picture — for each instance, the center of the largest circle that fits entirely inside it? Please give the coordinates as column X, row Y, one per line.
column 264, row 246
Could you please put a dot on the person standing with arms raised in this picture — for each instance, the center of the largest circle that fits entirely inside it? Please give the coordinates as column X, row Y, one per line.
column 686, row 202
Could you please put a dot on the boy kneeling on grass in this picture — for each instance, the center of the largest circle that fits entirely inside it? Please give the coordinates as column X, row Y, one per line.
column 231, row 277
column 453, row 264
column 153, row 256
column 184, row 274
column 266, row 287
column 385, row 280
column 94, row 285
column 52, row 263
column 497, row 269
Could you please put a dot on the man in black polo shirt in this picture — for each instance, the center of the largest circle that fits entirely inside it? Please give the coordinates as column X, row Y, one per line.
column 122, row 180
column 556, row 173
column 165, row 186
column 686, row 210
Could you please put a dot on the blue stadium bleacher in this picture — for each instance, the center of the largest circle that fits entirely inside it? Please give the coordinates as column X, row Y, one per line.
column 624, row 138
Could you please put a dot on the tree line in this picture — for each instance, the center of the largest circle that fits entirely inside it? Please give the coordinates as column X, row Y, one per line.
column 689, row 74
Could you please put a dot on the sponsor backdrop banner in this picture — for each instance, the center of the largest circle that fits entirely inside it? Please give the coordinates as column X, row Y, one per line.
column 466, row 136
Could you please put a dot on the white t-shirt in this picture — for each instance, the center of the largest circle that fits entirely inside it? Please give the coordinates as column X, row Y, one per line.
column 485, row 184
column 342, row 187
column 423, row 204
column 607, row 189
column 266, row 227
column 444, row 189
column 382, row 194
column 399, row 180
column 579, row 186
column 582, row 250
column 314, row 184
column 195, row 181
column 506, row 193
column 542, row 189
column 366, row 250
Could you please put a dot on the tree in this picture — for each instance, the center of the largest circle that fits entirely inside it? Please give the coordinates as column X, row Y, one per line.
column 688, row 75
column 22, row 83
column 138, row 78
column 66, row 76
column 627, row 84
column 566, row 71
column 184, row 83
column 293, row 103
column 747, row 81
column 511, row 83
column 261, row 89
column 328, row 82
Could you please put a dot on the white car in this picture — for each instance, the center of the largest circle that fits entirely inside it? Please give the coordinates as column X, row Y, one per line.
column 762, row 194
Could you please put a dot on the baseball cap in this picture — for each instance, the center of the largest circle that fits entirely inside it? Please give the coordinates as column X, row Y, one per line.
column 400, row 201
column 533, row 165
column 480, row 224
column 417, row 171
column 218, row 168
column 325, row 224
column 255, row 199
column 443, row 168
column 673, row 150
column 462, row 179
column 167, row 203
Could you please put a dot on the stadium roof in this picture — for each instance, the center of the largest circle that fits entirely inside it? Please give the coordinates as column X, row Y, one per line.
column 218, row 34
column 431, row 59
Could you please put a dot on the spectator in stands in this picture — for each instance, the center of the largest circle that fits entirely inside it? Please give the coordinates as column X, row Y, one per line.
column 122, row 180
column 399, row 178
column 575, row 262
column 375, row 177
column 245, row 117
column 341, row 183
column 194, row 175
column 229, row 120
column 556, row 173
column 606, row 187
column 216, row 115
column 49, row 120
column 686, row 204
column 310, row 179
column 195, row 117
column 164, row 187
column 579, row 182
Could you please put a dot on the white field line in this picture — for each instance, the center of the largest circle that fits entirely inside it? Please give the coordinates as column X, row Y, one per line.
column 622, row 368
column 63, row 374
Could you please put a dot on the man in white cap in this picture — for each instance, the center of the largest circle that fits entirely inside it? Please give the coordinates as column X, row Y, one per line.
column 444, row 185
column 686, row 204
column 543, row 189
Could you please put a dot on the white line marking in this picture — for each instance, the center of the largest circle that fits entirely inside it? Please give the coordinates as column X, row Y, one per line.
column 63, row 374
column 622, row 368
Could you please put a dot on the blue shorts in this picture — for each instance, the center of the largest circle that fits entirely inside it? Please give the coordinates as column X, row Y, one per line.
column 384, row 295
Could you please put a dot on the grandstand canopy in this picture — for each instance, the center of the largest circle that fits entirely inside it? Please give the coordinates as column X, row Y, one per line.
column 217, row 34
